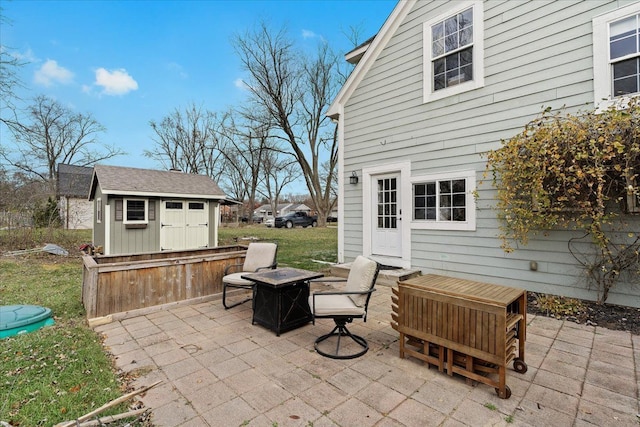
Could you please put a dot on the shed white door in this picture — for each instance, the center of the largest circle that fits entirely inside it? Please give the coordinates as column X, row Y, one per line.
column 197, row 225
column 183, row 224
column 386, row 214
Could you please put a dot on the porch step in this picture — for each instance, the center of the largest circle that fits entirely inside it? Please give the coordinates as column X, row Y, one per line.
column 385, row 277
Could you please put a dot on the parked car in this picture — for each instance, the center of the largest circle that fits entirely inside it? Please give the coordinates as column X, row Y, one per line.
column 269, row 222
column 257, row 219
column 296, row 218
column 332, row 218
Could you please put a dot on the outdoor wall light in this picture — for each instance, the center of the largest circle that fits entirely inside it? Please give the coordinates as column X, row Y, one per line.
column 353, row 179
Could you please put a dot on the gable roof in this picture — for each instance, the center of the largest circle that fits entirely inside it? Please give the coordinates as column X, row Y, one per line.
column 73, row 180
column 372, row 52
column 125, row 181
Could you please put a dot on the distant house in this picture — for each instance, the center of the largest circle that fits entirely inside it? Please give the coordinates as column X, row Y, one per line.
column 76, row 210
column 444, row 82
column 282, row 209
column 142, row 210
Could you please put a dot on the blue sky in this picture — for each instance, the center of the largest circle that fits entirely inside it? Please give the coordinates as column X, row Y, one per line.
column 129, row 62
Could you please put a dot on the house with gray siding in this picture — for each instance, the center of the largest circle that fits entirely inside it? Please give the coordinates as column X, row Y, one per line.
column 444, row 82
column 143, row 210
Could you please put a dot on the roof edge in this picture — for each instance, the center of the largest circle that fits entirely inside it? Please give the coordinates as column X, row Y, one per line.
column 380, row 41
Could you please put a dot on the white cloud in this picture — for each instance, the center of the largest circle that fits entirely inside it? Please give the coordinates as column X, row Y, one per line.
column 240, row 84
column 308, row 34
column 51, row 73
column 27, row 56
column 176, row 68
column 115, row 82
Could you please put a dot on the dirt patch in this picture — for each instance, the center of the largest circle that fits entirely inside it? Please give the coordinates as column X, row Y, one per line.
column 583, row 312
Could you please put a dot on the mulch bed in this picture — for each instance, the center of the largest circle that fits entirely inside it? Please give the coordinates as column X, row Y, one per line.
column 608, row 316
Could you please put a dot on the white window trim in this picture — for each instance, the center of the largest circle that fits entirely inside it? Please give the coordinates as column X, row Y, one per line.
column 146, row 212
column 470, row 201
column 602, row 80
column 478, row 54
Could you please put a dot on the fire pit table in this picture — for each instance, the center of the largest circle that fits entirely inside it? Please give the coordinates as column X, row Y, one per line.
column 281, row 298
column 464, row 327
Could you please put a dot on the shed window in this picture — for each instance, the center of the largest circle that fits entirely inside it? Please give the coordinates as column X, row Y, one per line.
column 196, row 206
column 99, row 210
column 136, row 211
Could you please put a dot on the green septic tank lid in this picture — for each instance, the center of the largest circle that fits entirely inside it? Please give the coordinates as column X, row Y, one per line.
column 20, row 319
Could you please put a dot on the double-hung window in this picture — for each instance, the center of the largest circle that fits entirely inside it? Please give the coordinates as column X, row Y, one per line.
column 453, row 52
column 444, row 201
column 616, row 54
column 624, row 55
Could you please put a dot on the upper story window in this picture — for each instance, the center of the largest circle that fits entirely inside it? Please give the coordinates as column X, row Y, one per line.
column 444, row 201
column 454, row 52
column 624, row 55
column 616, row 55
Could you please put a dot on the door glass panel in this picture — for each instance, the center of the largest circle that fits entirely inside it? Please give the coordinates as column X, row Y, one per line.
column 387, row 206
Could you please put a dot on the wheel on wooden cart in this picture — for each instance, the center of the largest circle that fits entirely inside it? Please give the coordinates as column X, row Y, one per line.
column 519, row 366
column 507, row 392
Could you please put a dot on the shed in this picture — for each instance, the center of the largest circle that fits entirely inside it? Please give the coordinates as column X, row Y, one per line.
column 76, row 210
column 144, row 210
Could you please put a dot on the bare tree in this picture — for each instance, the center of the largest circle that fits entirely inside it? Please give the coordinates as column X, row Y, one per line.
column 248, row 143
column 50, row 133
column 187, row 141
column 295, row 92
column 9, row 79
column 278, row 172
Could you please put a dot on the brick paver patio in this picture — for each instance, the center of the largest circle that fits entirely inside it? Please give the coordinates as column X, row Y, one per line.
column 217, row 369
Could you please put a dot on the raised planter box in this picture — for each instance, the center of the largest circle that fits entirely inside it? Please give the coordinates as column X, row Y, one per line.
column 120, row 286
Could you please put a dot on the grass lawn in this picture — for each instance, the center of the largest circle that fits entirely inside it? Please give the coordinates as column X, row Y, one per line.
column 61, row 372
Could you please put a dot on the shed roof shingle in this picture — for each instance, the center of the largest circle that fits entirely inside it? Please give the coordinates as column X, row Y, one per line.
column 73, row 180
column 148, row 182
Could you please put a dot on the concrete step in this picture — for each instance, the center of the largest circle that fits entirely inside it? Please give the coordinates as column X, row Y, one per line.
column 388, row 277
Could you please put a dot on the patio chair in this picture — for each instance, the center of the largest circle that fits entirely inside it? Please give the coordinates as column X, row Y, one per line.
column 344, row 306
column 260, row 256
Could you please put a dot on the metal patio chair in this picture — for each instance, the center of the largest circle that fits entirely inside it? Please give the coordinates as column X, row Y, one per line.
column 344, row 306
column 260, row 256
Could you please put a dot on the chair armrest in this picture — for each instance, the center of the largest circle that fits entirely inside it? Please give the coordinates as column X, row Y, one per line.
column 228, row 268
column 343, row 292
column 313, row 296
column 271, row 267
column 328, row 279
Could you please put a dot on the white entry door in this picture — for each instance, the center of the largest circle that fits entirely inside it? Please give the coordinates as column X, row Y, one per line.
column 386, row 221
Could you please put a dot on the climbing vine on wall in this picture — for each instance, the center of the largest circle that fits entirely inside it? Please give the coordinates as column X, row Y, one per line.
column 579, row 172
